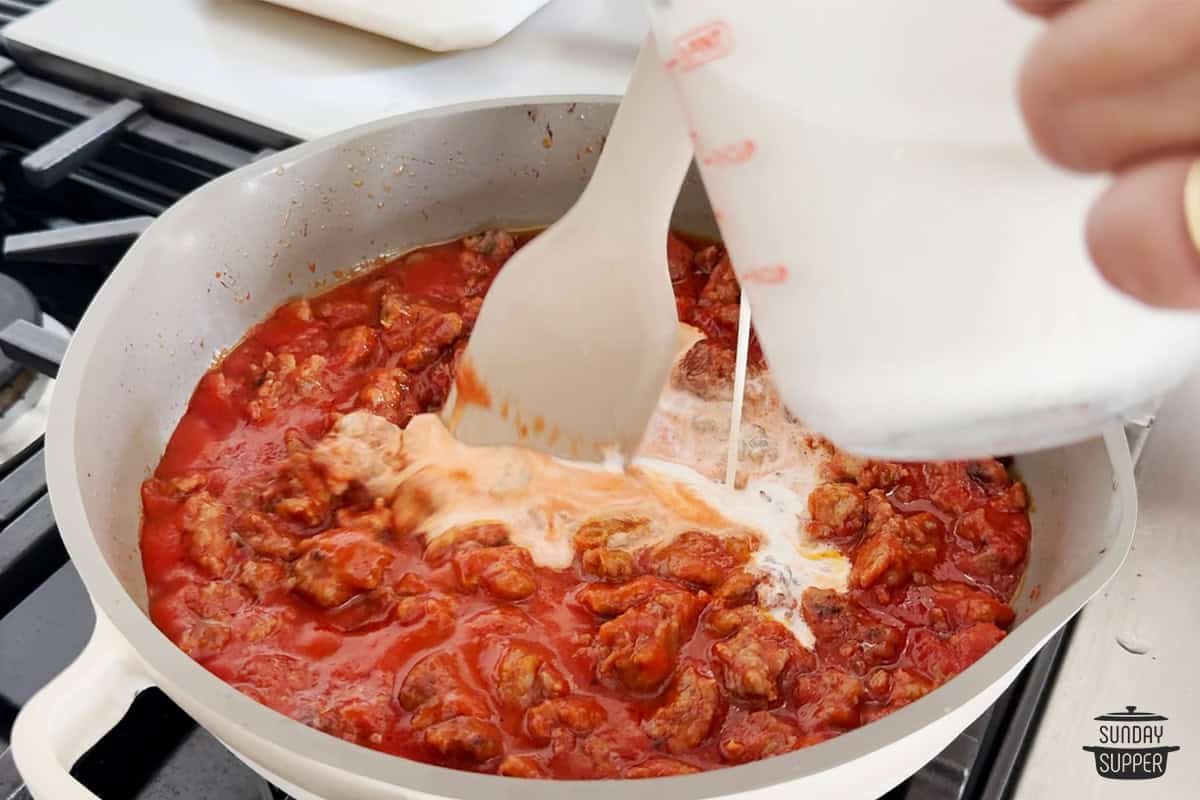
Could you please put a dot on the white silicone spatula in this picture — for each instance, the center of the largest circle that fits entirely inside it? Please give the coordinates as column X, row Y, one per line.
column 576, row 336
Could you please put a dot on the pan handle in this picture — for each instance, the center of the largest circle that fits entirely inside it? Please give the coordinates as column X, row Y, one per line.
column 74, row 711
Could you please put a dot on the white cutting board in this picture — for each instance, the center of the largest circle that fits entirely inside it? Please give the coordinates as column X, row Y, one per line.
column 306, row 76
column 442, row 25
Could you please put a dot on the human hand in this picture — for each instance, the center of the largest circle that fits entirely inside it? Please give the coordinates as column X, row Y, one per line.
column 1114, row 86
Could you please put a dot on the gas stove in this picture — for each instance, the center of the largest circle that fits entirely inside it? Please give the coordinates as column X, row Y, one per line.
column 81, row 175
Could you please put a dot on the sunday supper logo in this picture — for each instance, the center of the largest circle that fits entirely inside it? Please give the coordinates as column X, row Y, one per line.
column 1131, row 745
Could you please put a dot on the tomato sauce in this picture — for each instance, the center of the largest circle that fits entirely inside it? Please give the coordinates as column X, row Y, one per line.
column 310, row 600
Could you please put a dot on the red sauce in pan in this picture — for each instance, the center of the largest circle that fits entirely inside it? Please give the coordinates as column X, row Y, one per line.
column 660, row 663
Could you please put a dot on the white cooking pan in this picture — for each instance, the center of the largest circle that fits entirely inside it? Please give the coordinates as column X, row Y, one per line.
column 224, row 257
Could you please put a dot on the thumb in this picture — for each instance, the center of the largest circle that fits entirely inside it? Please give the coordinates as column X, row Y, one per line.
column 1139, row 233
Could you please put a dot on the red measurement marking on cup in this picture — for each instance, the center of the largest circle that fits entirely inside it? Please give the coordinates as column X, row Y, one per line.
column 700, row 45
column 774, row 274
column 733, row 153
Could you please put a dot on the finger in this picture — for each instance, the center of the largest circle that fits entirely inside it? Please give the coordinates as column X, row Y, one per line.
column 1042, row 8
column 1112, row 82
column 1138, row 233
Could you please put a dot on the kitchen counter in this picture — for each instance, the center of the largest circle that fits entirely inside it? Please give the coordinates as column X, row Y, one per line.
column 303, row 76
column 1135, row 644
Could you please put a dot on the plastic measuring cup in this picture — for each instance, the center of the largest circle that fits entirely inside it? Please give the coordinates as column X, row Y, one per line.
column 917, row 272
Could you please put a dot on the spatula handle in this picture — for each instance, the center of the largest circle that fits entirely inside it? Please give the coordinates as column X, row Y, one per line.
column 650, row 104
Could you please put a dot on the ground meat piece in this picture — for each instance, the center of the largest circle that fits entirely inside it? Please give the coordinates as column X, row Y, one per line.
column 1015, row 498
column 521, row 767
column 338, row 564
column 216, row 600
column 896, row 549
column 272, row 387
column 433, row 676
column 358, row 709
column 753, row 659
column 505, row 572
column 637, row 650
column 205, row 639
column 363, row 611
column 687, row 715
column 430, row 339
column 342, row 313
column 526, row 677
column 465, row 737
column 878, row 684
column 973, row 641
column 707, row 258
column 843, row 467
column 724, row 621
column 469, row 312
column 376, row 520
column 265, row 536
column 965, row 604
column 181, row 486
column 837, row 509
column 758, row 735
column 577, row 714
column 285, row 380
column 848, row 634
column 276, row 677
column 435, row 691
column 257, row 624
column 494, row 244
column 602, row 562
column 599, row 532
column 988, row 473
column 299, row 310
column 600, row 754
column 738, row 589
column 943, row 658
column 410, row 584
column 882, row 475
column 659, row 767
column 699, row 558
column 300, row 493
column 608, row 601
column 419, row 356
column 907, row 686
column 465, row 537
column 722, row 286
column 679, row 258
column 209, row 543
column 434, row 388
column 436, row 614
column 479, row 275
column 953, row 489
column 388, row 393
column 706, row 370
column 994, row 551
column 396, row 312
column 264, row 576
column 356, row 346
column 827, row 699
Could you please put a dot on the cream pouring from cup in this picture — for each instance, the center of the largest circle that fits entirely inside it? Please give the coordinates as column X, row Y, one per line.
column 917, row 271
